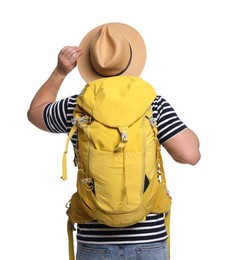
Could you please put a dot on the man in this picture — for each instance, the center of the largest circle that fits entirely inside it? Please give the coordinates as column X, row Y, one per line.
column 113, row 49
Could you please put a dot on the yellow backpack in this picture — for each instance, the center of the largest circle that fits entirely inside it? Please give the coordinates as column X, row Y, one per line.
column 120, row 172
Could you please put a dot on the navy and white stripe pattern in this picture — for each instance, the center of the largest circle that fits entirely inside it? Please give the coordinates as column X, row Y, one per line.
column 58, row 116
column 151, row 230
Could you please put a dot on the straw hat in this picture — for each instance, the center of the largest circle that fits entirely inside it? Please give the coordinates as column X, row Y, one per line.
column 111, row 49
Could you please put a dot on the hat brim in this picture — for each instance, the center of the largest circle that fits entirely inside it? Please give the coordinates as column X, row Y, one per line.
column 135, row 40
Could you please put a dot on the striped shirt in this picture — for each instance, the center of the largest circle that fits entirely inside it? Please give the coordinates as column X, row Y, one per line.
column 58, row 119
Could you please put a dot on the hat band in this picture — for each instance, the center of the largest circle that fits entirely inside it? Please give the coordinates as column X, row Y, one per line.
column 119, row 73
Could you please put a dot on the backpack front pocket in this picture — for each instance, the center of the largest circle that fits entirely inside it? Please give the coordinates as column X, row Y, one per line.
column 118, row 180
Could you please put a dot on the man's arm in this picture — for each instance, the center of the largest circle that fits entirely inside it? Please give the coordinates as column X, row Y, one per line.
column 184, row 147
column 67, row 60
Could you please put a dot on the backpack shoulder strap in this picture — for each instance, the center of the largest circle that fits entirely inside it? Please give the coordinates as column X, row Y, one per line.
column 64, row 159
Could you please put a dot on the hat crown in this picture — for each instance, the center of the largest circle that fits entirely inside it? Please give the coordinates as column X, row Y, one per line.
column 110, row 52
column 111, row 49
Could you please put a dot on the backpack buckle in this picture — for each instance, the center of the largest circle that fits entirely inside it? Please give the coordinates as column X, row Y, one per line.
column 152, row 121
column 80, row 121
column 124, row 133
column 124, row 137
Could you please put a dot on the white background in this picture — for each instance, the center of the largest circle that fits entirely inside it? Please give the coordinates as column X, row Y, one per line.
column 186, row 63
